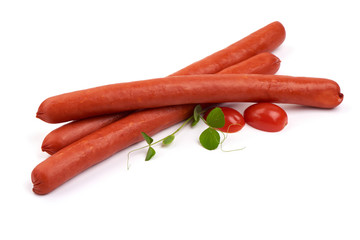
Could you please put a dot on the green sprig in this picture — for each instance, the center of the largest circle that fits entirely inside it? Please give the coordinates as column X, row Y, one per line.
column 209, row 138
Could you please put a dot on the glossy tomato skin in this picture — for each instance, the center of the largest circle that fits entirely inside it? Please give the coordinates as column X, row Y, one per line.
column 266, row 117
column 234, row 120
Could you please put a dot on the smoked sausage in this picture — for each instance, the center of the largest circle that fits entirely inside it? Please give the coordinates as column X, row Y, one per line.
column 265, row 39
column 262, row 63
column 73, row 131
column 190, row 89
column 101, row 144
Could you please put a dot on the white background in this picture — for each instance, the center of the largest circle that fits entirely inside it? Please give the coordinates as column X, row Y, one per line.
column 301, row 183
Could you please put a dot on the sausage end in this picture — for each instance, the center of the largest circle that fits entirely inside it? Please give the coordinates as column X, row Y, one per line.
column 44, row 112
column 48, row 149
column 39, row 182
column 341, row 98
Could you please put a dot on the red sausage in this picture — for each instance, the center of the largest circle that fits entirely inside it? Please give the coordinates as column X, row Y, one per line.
column 101, row 144
column 265, row 39
column 70, row 132
column 104, row 142
column 263, row 63
column 190, row 89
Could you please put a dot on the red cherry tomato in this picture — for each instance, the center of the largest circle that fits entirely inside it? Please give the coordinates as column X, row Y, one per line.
column 234, row 121
column 266, row 117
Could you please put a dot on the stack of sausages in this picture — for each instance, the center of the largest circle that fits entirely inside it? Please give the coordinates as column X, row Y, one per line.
column 107, row 119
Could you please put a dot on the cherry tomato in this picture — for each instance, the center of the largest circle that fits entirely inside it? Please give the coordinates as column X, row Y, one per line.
column 234, row 121
column 266, row 117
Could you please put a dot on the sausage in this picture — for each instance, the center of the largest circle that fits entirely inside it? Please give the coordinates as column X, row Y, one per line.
column 99, row 145
column 265, row 39
column 73, row 131
column 190, row 89
column 263, row 63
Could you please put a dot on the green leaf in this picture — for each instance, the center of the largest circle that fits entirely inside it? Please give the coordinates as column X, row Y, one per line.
column 196, row 115
column 216, row 118
column 210, row 139
column 168, row 139
column 150, row 153
column 195, row 122
column 147, row 138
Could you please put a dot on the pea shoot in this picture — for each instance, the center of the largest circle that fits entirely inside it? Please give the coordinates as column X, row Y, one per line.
column 209, row 138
